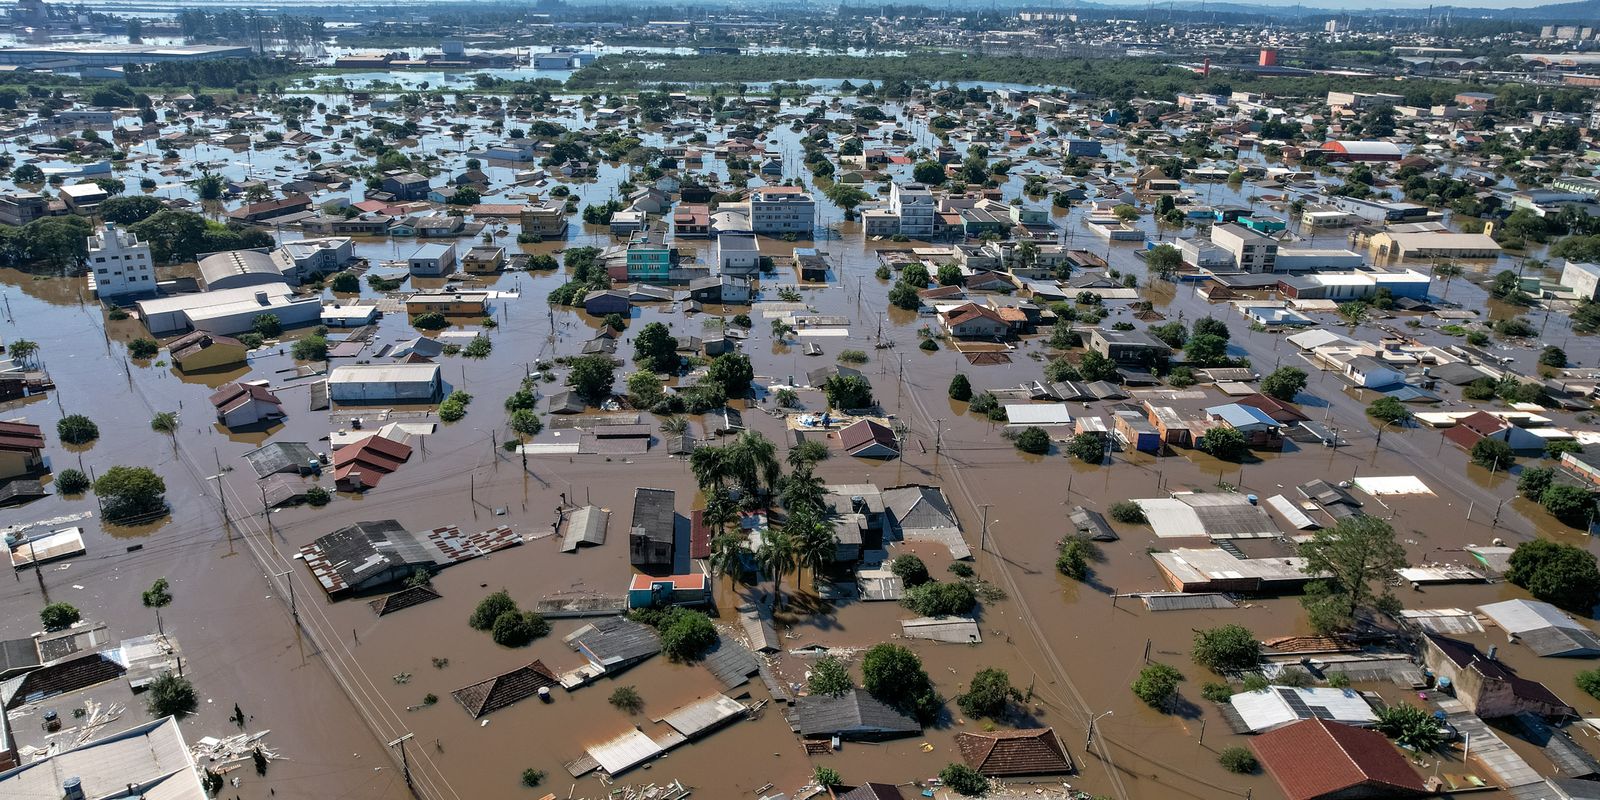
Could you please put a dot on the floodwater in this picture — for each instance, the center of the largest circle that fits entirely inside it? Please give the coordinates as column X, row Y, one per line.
column 341, row 683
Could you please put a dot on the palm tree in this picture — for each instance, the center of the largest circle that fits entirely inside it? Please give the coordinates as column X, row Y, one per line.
column 1448, row 270
column 754, row 463
column 711, row 466
column 814, row 540
column 807, row 453
column 776, row 557
column 802, row 491
column 727, row 555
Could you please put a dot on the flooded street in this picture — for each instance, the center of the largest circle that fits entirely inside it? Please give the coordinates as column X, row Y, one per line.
column 335, row 682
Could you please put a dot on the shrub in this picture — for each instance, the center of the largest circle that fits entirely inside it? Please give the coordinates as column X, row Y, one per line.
column 1157, row 685
column 57, row 616
column 143, row 347
column 1533, row 481
column 1032, row 439
column 988, row 694
column 1226, row 648
column 910, row 569
column 934, row 599
column 1074, row 556
column 1237, row 759
column 626, row 698
column 531, row 777
column 518, row 629
column 454, row 407
column 964, row 780
column 318, row 497
column 1491, row 453
column 826, row 776
column 77, row 429
column 1589, row 682
column 1410, row 726
column 1216, row 692
column 72, row 481
column 1128, row 512
column 961, row 569
column 1388, row 409
column 984, row 403
column 852, row 357
column 479, row 347
column 490, row 608
column 829, row 676
column 960, row 387
column 1556, row 573
column 686, row 634
column 430, row 321
column 171, row 696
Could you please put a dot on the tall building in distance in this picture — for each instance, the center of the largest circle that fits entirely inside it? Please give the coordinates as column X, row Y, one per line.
column 119, row 264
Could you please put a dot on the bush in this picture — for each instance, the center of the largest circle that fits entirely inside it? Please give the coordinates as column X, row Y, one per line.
column 626, row 698
column 57, row 616
column 961, row 569
column 430, row 321
column 72, row 481
column 1032, row 439
column 1226, row 648
column 1388, row 409
column 960, row 388
column 1157, row 685
column 894, row 675
column 1216, row 692
column 1127, row 512
column 531, row 777
column 826, row 776
column 988, row 694
column 686, row 634
column 1556, row 573
column 479, row 347
column 1589, row 682
column 518, row 629
column 1237, row 759
column 77, row 429
column 454, row 407
column 1410, row 726
column 1492, row 453
column 490, row 608
column 910, row 569
column 935, row 599
column 143, row 347
column 130, row 491
column 317, row 497
column 171, row 696
column 830, row 677
column 311, row 348
column 1074, row 556
column 964, row 780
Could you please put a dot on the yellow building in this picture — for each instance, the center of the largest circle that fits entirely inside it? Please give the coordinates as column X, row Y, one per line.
column 21, row 449
column 201, row 351
column 449, row 303
column 484, row 259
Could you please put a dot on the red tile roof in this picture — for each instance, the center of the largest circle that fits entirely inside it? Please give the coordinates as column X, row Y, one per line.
column 861, row 433
column 1316, row 758
column 1036, row 751
column 373, row 457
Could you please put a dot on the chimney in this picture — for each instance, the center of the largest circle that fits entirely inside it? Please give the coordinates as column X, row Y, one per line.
column 72, row 789
column 1493, row 651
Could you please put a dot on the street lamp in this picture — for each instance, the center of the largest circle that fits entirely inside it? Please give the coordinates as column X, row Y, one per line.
column 1092, row 720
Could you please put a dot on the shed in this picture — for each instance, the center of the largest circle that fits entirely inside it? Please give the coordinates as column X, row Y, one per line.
column 952, row 630
column 587, row 526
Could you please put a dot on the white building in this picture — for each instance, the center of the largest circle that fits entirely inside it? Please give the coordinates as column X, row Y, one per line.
column 385, row 383
column 433, row 260
column 1251, row 251
column 1584, row 279
column 119, row 264
column 737, row 254
column 782, row 209
column 913, row 204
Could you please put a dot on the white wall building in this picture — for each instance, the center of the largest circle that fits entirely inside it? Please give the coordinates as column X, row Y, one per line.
column 782, row 209
column 1251, row 251
column 119, row 264
column 913, row 203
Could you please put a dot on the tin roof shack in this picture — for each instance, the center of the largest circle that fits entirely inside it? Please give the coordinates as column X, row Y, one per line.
column 613, row 644
column 21, row 449
column 385, row 383
column 1032, row 751
column 646, row 591
column 1320, row 760
column 1213, row 569
column 652, row 536
column 1261, row 432
column 200, row 351
column 853, row 716
column 151, row 760
column 1128, row 347
column 367, row 556
column 1545, row 629
column 1484, row 685
column 241, row 405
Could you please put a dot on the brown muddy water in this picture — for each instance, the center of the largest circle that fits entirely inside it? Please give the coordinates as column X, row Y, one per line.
column 343, row 682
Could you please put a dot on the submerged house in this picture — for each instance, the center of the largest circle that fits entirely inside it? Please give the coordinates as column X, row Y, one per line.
column 652, row 536
column 1485, row 686
column 853, row 716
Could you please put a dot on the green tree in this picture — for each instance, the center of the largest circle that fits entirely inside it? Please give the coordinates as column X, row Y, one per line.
column 894, row 675
column 525, row 422
column 490, row 608
column 1411, row 726
column 910, row 569
column 1557, row 573
column 1088, row 447
column 1096, row 367
column 848, row 392
column 130, row 491
column 1074, row 556
column 935, row 599
column 686, row 635
column 830, row 677
column 928, row 172
column 143, row 347
column 826, row 776
column 592, row 376
column 345, row 283
column 1532, row 482
column 1127, row 511
column 1570, row 504
column 1032, row 439
column 644, row 390
column 1553, row 356
column 1237, row 759
column 1227, row 648
column 1206, row 350
column 1164, row 260
column 1284, row 383
column 1589, row 681
column 846, row 197
column 1491, row 453
column 965, row 780
column 72, row 481
column 59, row 616
column 1226, row 444
column 518, row 628
column 732, row 372
column 312, row 348
column 1388, row 409
column 655, row 349
column 988, row 694
column 1211, row 326
column 776, row 557
column 1353, row 554
column 77, row 429
column 1157, row 685
column 171, row 696
column 267, row 325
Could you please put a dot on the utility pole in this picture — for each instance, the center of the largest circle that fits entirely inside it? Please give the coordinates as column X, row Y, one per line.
column 983, row 542
column 938, row 435
column 294, row 610
column 405, row 765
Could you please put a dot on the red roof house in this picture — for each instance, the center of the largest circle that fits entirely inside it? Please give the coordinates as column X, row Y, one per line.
column 362, row 464
column 1316, row 759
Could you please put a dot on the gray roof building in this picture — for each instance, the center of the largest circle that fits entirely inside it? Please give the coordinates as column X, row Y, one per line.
column 855, row 716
